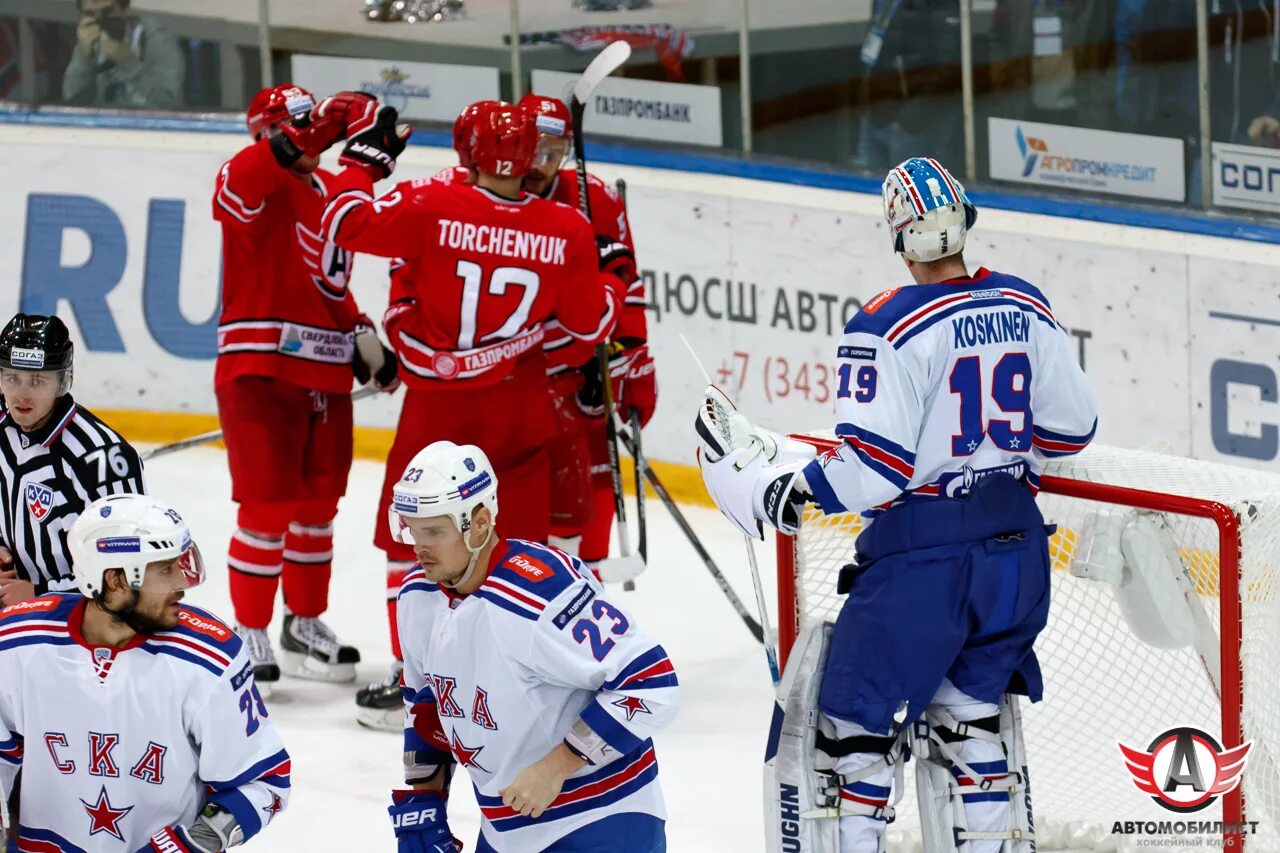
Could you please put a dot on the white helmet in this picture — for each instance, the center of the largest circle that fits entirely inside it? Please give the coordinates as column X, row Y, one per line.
column 927, row 210
column 127, row 532
column 445, row 479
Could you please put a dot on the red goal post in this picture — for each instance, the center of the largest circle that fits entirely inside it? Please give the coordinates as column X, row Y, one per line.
column 1226, row 525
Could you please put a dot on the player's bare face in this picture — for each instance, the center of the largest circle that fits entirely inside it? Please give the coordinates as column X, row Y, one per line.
column 29, row 395
column 546, row 163
column 439, row 547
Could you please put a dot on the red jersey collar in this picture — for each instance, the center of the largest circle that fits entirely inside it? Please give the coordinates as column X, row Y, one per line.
column 500, row 550
column 75, row 621
column 982, row 273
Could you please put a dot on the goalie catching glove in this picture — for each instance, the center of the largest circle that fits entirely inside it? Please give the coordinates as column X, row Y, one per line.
column 754, row 475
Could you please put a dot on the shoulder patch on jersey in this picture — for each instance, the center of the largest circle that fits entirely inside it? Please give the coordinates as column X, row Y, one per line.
column 856, row 353
column 205, row 624
column 574, row 607
column 40, row 604
column 879, row 300
column 529, row 567
column 511, row 584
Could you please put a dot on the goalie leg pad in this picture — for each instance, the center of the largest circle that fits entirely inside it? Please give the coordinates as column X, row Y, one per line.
column 971, row 777
column 828, row 783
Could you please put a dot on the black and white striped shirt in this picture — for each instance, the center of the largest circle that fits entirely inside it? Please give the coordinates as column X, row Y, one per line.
column 47, row 478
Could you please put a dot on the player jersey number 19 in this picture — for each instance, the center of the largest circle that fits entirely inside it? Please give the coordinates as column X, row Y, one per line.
column 1010, row 390
column 472, row 275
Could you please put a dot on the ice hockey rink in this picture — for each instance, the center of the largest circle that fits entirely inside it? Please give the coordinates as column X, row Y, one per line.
column 710, row 757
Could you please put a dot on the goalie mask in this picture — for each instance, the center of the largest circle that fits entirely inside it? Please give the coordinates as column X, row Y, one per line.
column 927, row 210
column 130, row 533
column 445, row 479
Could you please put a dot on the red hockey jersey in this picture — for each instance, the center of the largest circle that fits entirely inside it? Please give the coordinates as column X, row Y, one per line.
column 286, row 310
column 608, row 219
column 481, row 274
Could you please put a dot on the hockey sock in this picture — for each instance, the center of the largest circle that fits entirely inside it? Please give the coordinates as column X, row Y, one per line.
column 396, row 570
column 255, row 558
column 595, row 536
column 309, row 562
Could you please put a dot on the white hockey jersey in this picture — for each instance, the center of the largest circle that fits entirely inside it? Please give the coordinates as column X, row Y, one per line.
column 941, row 384
column 116, row 744
column 513, row 665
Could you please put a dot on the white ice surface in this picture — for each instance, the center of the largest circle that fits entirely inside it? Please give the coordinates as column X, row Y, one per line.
column 710, row 757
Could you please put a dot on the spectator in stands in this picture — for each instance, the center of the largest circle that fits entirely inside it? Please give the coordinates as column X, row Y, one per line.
column 122, row 59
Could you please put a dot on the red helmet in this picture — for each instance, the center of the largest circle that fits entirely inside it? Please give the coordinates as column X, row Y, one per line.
column 551, row 114
column 503, row 140
column 277, row 104
column 462, row 129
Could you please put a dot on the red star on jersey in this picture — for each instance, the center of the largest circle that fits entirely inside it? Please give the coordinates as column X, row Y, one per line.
column 633, row 705
column 103, row 818
column 466, row 755
column 276, row 806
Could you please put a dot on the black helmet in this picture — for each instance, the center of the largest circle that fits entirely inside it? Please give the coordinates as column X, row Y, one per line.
column 36, row 342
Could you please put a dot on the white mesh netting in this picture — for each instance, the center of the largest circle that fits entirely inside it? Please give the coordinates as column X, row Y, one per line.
column 1102, row 684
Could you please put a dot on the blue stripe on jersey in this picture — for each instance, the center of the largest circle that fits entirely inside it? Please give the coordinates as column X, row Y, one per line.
column 32, row 641
column 607, row 726
column 417, row 586
column 655, row 655
column 183, row 654
column 876, row 440
column 930, row 320
column 599, row 801
column 30, row 833
column 892, row 475
column 1055, row 444
column 254, row 772
column 525, row 561
column 243, row 810
column 907, row 300
column 821, row 488
column 507, row 604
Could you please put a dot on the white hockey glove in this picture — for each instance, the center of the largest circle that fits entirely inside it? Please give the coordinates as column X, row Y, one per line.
column 214, row 831
column 754, row 475
column 374, row 361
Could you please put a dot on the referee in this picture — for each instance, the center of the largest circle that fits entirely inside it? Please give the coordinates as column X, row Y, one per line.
column 56, row 458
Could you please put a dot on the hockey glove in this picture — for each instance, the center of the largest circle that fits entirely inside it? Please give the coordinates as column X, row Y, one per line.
column 421, row 826
column 375, row 150
column 638, row 387
column 214, row 831
column 590, row 396
column 616, row 259
column 330, row 120
column 373, row 360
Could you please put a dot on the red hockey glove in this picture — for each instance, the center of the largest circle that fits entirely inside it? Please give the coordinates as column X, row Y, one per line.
column 637, row 388
column 375, row 150
column 616, row 259
column 334, row 118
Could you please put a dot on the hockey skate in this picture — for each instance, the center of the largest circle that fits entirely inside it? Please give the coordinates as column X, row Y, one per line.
column 381, row 703
column 310, row 649
column 257, row 644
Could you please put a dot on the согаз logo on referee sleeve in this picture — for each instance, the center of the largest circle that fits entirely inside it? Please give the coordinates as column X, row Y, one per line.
column 1185, row 769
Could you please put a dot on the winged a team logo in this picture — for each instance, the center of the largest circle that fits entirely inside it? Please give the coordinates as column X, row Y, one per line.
column 1185, row 769
column 39, row 500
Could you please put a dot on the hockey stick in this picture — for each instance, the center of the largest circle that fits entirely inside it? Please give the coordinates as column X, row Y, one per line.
column 627, row 566
column 216, row 435
column 642, row 526
column 721, row 423
column 683, row 523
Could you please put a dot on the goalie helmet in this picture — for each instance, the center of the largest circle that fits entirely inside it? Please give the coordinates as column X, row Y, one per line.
column 128, row 532
column 275, row 105
column 503, row 140
column 927, row 210
column 462, row 127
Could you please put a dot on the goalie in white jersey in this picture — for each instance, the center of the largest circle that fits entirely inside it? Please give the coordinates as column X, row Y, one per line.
column 952, row 394
column 519, row 669
column 134, row 718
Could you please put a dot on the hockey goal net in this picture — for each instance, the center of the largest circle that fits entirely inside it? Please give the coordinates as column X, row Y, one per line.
column 1102, row 684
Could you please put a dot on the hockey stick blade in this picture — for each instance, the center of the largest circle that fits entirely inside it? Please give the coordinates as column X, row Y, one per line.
column 606, row 62
column 620, row 569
